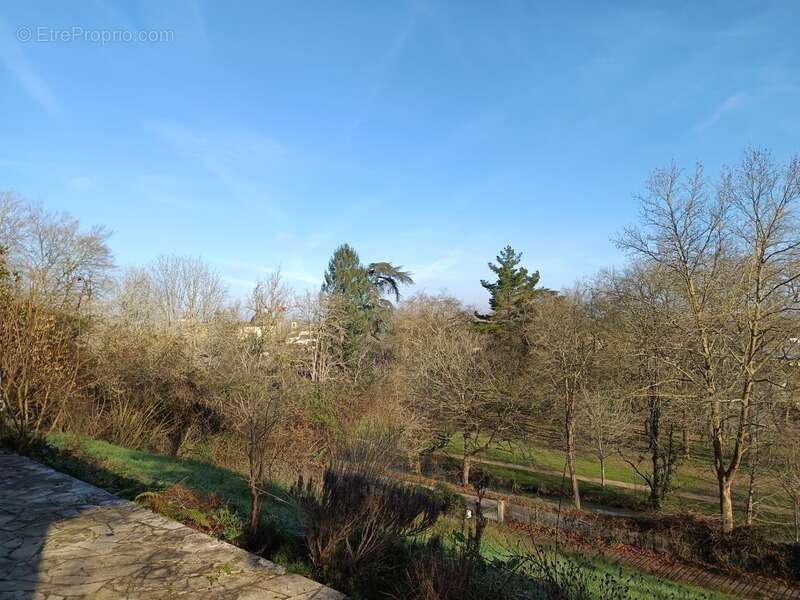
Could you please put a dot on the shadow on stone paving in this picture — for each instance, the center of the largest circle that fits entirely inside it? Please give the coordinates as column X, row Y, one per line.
column 64, row 538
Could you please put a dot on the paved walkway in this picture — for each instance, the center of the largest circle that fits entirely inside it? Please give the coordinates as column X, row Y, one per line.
column 61, row 538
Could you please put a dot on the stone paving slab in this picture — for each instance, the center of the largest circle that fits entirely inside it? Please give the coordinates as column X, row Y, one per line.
column 61, row 538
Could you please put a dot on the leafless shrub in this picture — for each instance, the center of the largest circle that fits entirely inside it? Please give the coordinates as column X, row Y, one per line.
column 132, row 425
column 352, row 517
column 38, row 368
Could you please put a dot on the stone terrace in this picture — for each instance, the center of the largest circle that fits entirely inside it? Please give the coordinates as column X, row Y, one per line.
column 61, row 538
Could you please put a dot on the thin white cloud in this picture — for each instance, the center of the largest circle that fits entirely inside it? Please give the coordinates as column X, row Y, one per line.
column 12, row 56
column 437, row 268
column 239, row 161
column 81, row 183
column 240, row 282
column 217, row 150
column 298, row 273
column 730, row 104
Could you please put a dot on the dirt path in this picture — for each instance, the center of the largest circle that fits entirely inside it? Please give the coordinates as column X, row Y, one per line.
column 609, row 482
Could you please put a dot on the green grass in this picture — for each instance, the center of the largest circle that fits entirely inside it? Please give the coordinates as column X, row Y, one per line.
column 498, row 540
column 157, row 472
column 693, row 475
column 553, row 486
column 144, row 470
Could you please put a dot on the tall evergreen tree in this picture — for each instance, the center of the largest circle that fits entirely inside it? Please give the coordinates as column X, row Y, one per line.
column 361, row 290
column 347, row 276
column 514, row 285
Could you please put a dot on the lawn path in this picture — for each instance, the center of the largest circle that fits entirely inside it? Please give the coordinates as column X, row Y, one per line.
column 596, row 480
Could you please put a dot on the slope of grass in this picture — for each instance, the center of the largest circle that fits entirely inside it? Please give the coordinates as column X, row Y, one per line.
column 128, row 472
column 498, row 540
column 693, row 475
column 157, row 472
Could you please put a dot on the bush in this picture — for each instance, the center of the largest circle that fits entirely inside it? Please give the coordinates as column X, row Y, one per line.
column 746, row 549
column 452, row 502
column 133, row 426
column 206, row 512
column 352, row 520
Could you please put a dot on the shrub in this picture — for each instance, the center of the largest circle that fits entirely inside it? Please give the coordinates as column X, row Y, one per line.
column 746, row 549
column 133, row 426
column 454, row 571
column 206, row 512
column 352, row 519
column 452, row 502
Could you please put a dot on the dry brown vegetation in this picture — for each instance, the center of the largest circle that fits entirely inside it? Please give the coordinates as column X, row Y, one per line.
column 694, row 343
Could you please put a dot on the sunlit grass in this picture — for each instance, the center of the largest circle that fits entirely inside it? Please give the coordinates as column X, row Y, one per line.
column 154, row 471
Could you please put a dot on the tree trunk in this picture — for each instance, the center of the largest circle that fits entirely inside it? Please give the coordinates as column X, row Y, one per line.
column 573, row 476
column 603, row 472
column 750, row 504
column 751, row 489
column 570, row 430
column 797, row 521
column 686, row 451
column 726, row 503
column 178, row 435
column 465, row 470
column 255, row 510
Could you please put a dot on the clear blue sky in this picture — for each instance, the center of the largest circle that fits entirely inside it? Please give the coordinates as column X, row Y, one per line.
column 426, row 133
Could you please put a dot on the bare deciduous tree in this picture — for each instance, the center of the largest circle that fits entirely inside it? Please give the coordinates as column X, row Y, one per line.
column 269, row 302
column 734, row 259
column 60, row 264
column 256, row 401
column 564, row 348
column 185, row 289
column 606, row 421
column 454, row 378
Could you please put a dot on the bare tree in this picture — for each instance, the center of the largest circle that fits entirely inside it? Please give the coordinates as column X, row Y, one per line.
column 411, row 322
column 639, row 315
column 59, row 263
column 185, row 289
column 564, row 348
column 256, row 401
column 12, row 222
column 453, row 377
column 606, row 421
column 734, row 262
column 269, row 303
column 322, row 319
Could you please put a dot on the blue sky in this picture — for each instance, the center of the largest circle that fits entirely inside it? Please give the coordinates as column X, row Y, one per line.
column 261, row 135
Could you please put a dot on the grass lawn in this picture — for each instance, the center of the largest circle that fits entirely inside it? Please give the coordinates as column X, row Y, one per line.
column 498, row 539
column 152, row 471
column 693, row 475
column 138, row 470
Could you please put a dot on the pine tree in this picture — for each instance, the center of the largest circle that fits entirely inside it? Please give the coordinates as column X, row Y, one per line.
column 514, row 285
column 347, row 276
column 361, row 289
